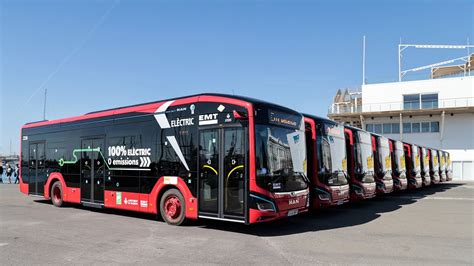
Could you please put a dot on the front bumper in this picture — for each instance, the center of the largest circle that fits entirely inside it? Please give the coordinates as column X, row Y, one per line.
column 414, row 182
column 384, row 186
column 400, row 184
column 337, row 196
column 257, row 216
column 449, row 176
column 443, row 177
column 434, row 179
column 278, row 206
column 361, row 191
column 426, row 180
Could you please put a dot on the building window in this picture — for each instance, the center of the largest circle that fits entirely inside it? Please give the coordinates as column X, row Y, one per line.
column 370, row 127
column 429, row 101
column 395, row 128
column 415, row 127
column 386, row 128
column 406, row 127
column 410, row 127
column 420, row 101
column 435, row 126
column 411, row 101
column 425, row 127
column 378, row 128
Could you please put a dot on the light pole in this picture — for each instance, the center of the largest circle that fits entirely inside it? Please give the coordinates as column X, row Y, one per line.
column 44, row 103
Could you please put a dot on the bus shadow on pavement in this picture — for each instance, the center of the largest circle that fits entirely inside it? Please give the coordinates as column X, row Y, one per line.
column 347, row 215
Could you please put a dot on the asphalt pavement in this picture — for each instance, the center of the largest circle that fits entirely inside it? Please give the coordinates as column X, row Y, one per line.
column 432, row 226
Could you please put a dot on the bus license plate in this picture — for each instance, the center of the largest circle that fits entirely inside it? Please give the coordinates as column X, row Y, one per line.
column 292, row 212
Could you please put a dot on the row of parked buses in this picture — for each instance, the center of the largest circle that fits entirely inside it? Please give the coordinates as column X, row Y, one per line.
column 350, row 164
column 217, row 157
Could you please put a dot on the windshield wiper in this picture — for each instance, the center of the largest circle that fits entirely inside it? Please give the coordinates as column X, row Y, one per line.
column 306, row 179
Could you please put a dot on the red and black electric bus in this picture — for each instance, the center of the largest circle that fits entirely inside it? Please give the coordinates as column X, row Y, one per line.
column 204, row 156
column 434, row 166
column 360, row 163
column 383, row 164
column 398, row 165
column 442, row 166
column 327, row 163
column 425, row 166
column 412, row 162
column 449, row 166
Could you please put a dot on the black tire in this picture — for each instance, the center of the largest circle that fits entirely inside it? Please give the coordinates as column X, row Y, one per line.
column 173, row 207
column 56, row 194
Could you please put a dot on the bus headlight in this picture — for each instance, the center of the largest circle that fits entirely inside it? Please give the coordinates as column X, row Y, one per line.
column 322, row 194
column 265, row 206
column 359, row 191
column 262, row 204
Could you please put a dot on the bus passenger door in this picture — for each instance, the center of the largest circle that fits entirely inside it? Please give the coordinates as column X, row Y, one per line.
column 209, row 146
column 37, row 173
column 87, row 169
column 99, row 170
column 92, row 171
column 222, row 171
column 234, row 171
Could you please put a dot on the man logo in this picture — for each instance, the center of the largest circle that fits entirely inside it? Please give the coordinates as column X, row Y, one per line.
column 293, row 201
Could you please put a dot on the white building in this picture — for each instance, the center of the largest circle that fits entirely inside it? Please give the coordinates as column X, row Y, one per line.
column 437, row 113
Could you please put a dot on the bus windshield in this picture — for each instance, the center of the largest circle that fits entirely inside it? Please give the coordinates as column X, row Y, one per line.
column 443, row 161
column 280, row 158
column 331, row 149
column 434, row 156
column 415, row 158
column 399, row 157
column 424, row 158
column 384, row 157
column 448, row 162
column 365, row 158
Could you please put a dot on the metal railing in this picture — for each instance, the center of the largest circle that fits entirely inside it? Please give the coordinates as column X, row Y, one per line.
column 399, row 106
column 342, row 109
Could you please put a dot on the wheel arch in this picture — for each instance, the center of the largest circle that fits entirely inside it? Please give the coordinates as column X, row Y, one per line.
column 53, row 177
column 168, row 182
column 162, row 192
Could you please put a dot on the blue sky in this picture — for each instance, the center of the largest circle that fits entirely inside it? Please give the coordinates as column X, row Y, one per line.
column 94, row 55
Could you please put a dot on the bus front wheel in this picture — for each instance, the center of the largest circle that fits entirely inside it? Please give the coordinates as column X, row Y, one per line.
column 57, row 194
column 172, row 207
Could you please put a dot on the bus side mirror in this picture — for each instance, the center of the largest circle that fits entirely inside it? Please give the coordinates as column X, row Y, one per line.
column 239, row 115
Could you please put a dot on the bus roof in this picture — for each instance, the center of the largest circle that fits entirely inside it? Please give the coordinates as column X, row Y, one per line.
column 107, row 112
column 324, row 119
column 356, row 128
